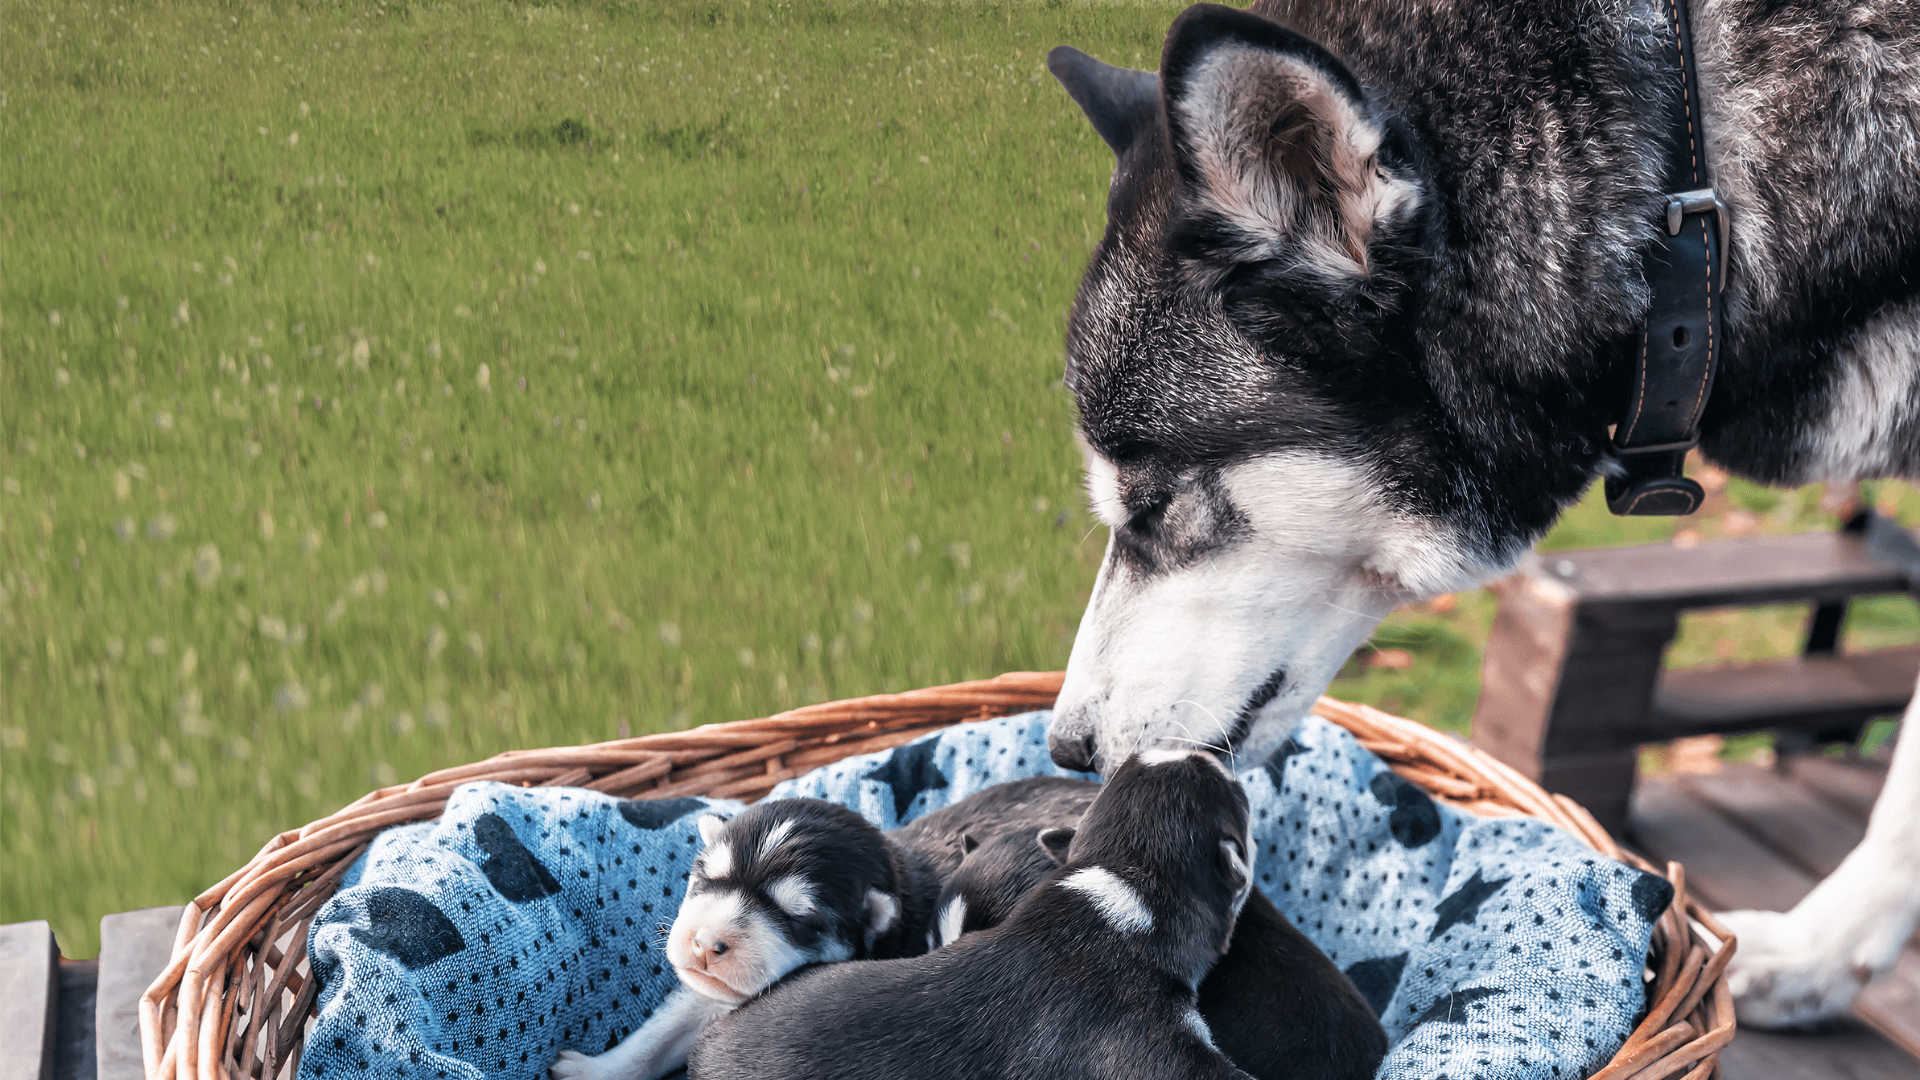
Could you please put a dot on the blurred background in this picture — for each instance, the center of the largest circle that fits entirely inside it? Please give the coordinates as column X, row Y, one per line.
column 383, row 386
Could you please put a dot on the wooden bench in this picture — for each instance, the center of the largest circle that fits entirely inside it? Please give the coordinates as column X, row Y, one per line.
column 79, row 1019
column 1572, row 682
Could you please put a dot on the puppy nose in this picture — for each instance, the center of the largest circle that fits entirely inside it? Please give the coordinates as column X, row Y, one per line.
column 707, row 944
column 1071, row 749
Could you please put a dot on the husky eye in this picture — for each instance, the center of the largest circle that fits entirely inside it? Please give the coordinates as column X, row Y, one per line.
column 1146, row 514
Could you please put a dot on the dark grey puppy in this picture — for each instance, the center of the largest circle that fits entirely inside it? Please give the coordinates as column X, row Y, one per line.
column 1092, row 976
column 1277, row 1006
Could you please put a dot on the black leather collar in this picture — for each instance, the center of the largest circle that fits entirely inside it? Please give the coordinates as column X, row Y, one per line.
column 1678, row 348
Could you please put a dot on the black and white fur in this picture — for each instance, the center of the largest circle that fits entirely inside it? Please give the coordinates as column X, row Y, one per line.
column 1277, row 1006
column 785, row 884
column 1093, row 975
column 1365, row 307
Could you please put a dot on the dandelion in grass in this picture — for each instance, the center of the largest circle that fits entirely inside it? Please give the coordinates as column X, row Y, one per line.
column 239, row 748
column 206, row 565
column 381, row 774
column 462, row 311
column 180, row 314
column 125, row 528
column 251, row 449
column 293, row 139
column 304, row 110
column 261, row 130
column 436, row 714
column 273, row 628
column 266, row 525
column 291, row 697
column 116, row 647
column 350, row 719
column 336, row 610
column 439, row 598
column 242, row 675
column 61, row 377
column 539, row 266
column 584, row 256
column 53, row 319
column 862, row 611
column 162, row 527
column 163, row 420
column 402, row 723
column 436, row 642
column 377, row 519
column 310, row 540
column 483, row 377
column 593, row 502
column 189, row 662
column 185, row 775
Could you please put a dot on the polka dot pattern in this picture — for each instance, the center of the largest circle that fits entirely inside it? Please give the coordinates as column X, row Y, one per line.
column 526, row 921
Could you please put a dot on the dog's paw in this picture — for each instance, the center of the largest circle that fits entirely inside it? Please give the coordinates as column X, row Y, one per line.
column 1786, row 974
column 573, row 1065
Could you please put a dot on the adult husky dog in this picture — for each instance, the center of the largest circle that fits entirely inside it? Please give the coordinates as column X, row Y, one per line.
column 1370, row 294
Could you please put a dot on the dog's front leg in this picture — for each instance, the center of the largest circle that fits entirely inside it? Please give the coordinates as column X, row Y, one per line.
column 1807, row 965
column 658, row 1048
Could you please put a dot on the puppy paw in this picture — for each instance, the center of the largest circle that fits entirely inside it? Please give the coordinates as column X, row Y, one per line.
column 1786, row 974
column 573, row 1065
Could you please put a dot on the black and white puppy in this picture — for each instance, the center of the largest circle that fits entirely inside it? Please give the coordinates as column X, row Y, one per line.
column 1277, row 1006
column 784, row 884
column 1093, row 975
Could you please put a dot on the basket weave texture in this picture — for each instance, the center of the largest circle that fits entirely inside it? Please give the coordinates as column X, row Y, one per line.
column 234, row 1002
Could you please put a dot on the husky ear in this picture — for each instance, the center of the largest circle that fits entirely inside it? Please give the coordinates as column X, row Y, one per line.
column 1055, row 843
column 967, row 844
column 710, row 826
column 1119, row 101
column 1276, row 143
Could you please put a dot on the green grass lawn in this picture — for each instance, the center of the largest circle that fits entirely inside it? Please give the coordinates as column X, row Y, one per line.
column 382, row 387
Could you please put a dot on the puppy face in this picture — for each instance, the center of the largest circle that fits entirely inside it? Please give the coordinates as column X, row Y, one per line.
column 786, row 883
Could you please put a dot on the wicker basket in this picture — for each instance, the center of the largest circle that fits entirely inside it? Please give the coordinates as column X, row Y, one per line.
column 235, row 1000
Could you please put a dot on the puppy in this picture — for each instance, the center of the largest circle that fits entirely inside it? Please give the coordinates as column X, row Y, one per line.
column 1277, row 1006
column 994, row 877
column 1093, row 974
column 785, row 884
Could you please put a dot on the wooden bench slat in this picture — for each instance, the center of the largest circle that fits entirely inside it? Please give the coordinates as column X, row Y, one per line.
column 29, row 994
column 1726, row 573
column 1725, row 867
column 1809, row 693
column 134, row 948
column 1850, row 786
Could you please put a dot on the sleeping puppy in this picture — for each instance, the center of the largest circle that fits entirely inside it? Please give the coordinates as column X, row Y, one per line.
column 993, row 877
column 1093, row 974
column 1277, row 1006
column 784, row 884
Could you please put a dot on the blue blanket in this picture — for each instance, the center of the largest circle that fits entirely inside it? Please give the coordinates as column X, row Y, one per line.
column 527, row 920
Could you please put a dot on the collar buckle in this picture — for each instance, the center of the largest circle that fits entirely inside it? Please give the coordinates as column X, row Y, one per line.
column 1681, row 204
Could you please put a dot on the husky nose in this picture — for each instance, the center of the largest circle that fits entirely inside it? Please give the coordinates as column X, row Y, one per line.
column 1071, row 749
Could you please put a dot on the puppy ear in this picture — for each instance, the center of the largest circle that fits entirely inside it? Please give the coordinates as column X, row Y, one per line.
column 967, row 844
column 1238, row 867
column 1120, row 102
column 883, row 910
column 1277, row 145
column 1055, row 843
column 710, row 826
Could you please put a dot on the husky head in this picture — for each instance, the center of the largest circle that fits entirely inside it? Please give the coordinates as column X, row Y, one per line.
column 1272, row 451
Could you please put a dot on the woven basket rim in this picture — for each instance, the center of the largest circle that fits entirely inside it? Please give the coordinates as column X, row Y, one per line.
column 232, row 1003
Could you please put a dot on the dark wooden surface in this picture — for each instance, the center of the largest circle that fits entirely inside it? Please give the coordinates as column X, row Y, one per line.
column 1572, row 680
column 79, row 1019
column 1755, row 837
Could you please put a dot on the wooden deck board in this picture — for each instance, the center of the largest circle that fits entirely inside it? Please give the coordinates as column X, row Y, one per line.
column 1758, row 838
